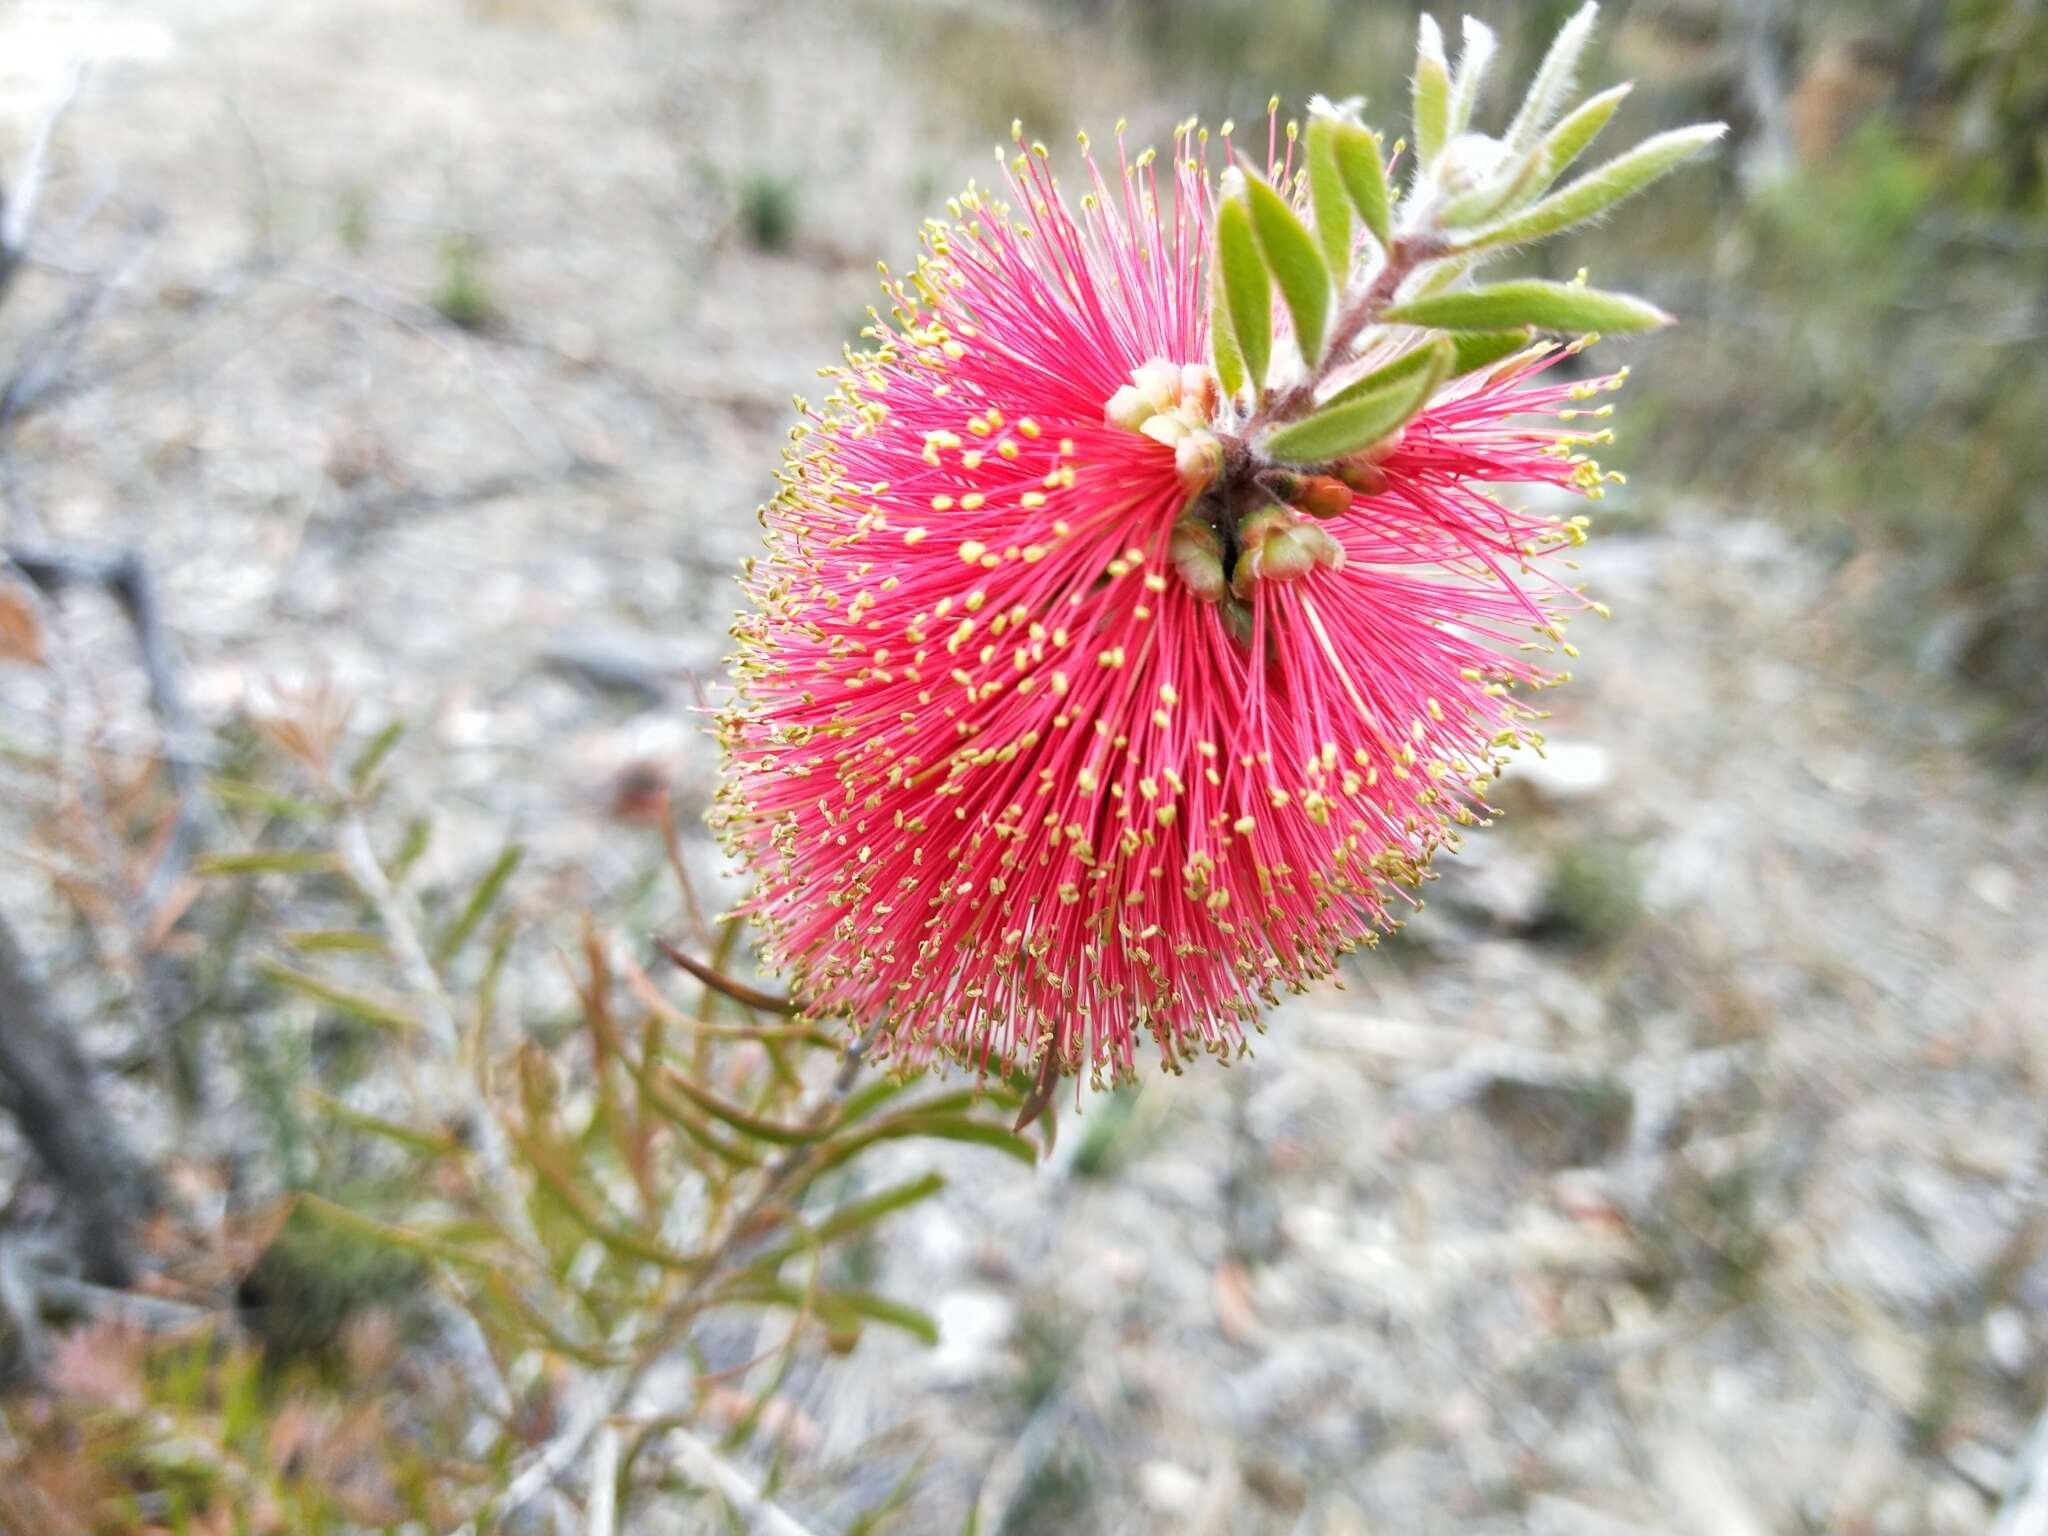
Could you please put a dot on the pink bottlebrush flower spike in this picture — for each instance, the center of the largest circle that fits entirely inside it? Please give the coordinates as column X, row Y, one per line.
column 1126, row 647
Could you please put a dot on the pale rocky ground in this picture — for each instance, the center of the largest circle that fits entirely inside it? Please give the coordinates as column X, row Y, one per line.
column 1723, row 1220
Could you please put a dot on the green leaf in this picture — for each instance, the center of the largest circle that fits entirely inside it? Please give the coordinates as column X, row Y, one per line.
column 371, row 758
column 426, row 1143
column 267, row 861
column 359, row 1225
column 1297, row 265
column 356, row 1004
column 779, row 1132
column 419, row 832
column 1407, row 365
column 1432, row 92
column 1247, row 289
column 1552, row 86
column 1599, row 189
column 1326, row 192
column 942, row 1126
column 838, row 1310
column 880, row 1309
column 1473, row 60
column 1223, row 350
column 1471, row 350
column 1364, row 419
column 254, row 796
column 1481, row 349
column 1562, row 307
column 1568, row 140
column 852, row 1218
column 1364, row 174
column 480, row 902
column 315, row 941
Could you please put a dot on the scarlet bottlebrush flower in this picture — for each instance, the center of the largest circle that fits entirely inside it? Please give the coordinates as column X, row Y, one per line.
column 1069, row 711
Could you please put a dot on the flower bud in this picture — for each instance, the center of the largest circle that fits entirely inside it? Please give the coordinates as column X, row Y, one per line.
column 1275, row 545
column 1158, row 384
column 1198, row 460
column 1197, row 555
column 1324, row 496
column 1127, row 409
column 1166, row 428
column 1366, row 479
column 1238, row 619
column 1200, row 393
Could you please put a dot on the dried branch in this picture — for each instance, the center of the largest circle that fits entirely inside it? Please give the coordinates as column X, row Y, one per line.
column 125, row 577
column 18, row 207
column 51, row 1089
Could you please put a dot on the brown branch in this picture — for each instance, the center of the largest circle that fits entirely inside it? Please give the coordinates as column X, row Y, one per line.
column 126, row 579
column 53, row 1093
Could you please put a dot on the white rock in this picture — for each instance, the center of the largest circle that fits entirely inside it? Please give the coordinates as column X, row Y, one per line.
column 2006, row 1341
column 972, row 1326
column 1567, row 770
column 1169, row 1488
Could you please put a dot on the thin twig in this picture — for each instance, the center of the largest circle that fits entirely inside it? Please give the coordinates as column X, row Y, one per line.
column 125, row 578
column 18, row 210
column 709, row 1468
column 603, row 1516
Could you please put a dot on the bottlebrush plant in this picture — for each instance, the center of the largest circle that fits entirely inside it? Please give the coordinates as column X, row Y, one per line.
column 1129, row 643
column 1139, row 619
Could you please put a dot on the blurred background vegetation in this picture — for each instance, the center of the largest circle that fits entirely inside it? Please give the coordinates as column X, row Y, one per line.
column 442, row 351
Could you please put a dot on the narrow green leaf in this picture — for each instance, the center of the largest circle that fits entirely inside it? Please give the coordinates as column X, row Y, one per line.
column 1439, row 275
column 1473, row 60
column 1364, row 419
column 1364, row 175
column 1482, row 349
column 1407, row 365
column 480, row 902
column 356, row 1223
column 419, row 833
column 1562, row 307
column 356, row 1004
column 838, row 1310
column 1579, row 128
column 267, row 861
column 1599, row 189
column 426, row 1143
column 1297, row 265
column 1247, row 289
column 371, row 758
column 942, row 1126
column 780, row 1133
column 1326, row 192
column 850, row 1219
column 1552, row 86
column 327, row 941
column 1223, row 350
column 1471, row 350
column 240, row 792
column 880, row 1309
column 1432, row 88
